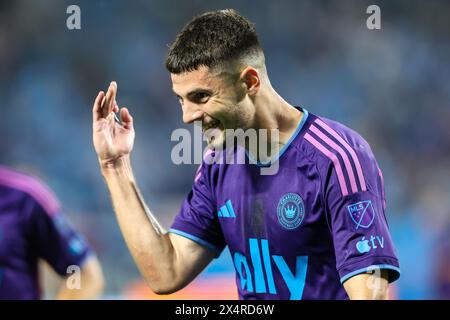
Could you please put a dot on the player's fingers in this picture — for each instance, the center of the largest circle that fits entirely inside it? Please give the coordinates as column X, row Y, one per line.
column 102, row 104
column 112, row 101
column 110, row 118
column 126, row 117
column 107, row 103
column 96, row 108
column 116, row 107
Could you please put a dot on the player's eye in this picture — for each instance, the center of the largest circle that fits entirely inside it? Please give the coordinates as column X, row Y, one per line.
column 200, row 97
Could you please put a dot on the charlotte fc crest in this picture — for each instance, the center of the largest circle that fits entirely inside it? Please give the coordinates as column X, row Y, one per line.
column 290, row 211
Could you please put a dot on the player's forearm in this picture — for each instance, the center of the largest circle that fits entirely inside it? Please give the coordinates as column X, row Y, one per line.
column 149, row 245
column 367, row 286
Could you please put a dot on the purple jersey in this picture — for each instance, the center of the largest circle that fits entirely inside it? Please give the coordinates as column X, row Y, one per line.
column 32, row 227
column 298, row 234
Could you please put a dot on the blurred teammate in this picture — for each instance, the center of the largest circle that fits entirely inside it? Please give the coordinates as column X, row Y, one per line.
column 315, row 230
column 32, row 227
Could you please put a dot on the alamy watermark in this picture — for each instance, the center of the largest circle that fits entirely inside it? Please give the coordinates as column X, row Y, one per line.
column 73, row 21
column 374, row 20
column 73, row 281
column 374, row 282
column 259, row 147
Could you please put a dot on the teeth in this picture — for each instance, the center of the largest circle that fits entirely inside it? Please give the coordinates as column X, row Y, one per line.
column 211, row 125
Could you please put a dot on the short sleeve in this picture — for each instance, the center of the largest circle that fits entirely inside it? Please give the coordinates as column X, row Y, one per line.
column 196, row 219
column 354, row 195
column 52, row 237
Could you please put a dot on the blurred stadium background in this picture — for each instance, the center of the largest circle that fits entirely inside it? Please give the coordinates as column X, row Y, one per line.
column 392, row 85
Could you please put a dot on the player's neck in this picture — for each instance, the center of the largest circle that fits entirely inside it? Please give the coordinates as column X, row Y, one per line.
column 274, row 113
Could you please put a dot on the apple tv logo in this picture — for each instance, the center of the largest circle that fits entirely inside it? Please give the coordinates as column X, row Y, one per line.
column 365, row 245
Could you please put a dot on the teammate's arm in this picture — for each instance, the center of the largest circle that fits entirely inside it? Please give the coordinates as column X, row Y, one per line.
column 368, row 286
column 168, row 262
column 91, row 283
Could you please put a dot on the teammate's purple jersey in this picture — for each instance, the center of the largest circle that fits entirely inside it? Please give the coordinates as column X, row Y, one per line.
column 298, row 234
column 32, row 227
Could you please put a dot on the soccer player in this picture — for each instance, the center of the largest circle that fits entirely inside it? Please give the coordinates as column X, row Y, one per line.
column 32, row 227
column 314, row 230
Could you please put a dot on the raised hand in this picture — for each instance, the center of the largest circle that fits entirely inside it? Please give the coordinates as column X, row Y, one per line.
column 112, row 140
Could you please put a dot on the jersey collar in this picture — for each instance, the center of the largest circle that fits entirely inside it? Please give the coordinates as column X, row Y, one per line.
column 288, row 143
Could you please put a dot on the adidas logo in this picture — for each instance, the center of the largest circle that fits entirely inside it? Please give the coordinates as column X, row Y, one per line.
column 226, row 211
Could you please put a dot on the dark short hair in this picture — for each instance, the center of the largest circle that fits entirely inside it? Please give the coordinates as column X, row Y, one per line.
column 211, row 39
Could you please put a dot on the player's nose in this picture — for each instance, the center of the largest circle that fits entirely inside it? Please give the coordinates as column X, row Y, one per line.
column 191, row 113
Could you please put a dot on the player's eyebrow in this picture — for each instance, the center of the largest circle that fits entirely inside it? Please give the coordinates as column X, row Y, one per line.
column 191, row 95
column 193, row 92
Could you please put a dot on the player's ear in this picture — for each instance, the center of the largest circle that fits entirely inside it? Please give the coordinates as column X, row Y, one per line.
column 250, row 77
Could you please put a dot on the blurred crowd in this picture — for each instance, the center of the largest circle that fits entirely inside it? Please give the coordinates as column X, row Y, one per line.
column 391, row 85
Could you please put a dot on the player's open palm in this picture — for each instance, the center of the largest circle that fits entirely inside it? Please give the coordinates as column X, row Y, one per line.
column 112, row 140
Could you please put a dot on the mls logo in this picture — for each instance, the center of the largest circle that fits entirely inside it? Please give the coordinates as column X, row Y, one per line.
column 362, row 213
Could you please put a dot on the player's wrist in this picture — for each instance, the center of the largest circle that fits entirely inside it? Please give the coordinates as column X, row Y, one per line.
column 121, row 163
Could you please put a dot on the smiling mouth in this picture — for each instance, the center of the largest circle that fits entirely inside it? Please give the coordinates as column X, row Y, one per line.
column 212, row 125
column 212, row 131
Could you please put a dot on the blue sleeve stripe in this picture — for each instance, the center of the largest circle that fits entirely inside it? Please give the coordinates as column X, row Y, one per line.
column 196, row 239
column 367, row 269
